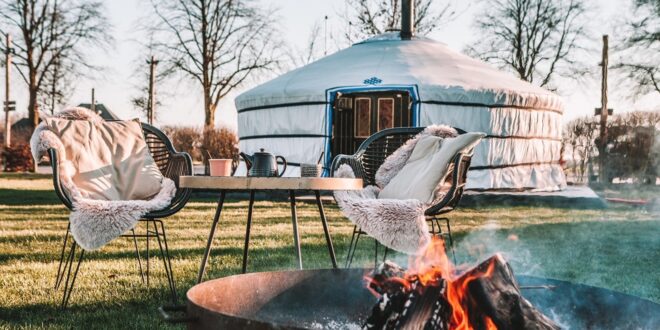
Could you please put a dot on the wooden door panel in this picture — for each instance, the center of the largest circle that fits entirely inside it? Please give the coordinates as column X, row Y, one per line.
column 357, row 116
column 363, row 117
column 385, row 113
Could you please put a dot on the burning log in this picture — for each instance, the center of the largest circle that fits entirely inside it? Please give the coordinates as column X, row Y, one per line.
column 484, row 297
column 405, row 302
column 497, row 297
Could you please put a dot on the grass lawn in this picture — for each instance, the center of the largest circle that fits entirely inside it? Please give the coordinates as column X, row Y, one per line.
column 617, row 248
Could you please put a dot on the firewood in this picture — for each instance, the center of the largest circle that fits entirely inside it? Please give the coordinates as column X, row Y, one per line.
column 498, row 297
column 489, row 296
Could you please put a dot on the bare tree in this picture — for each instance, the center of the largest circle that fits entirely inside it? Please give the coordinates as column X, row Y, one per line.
column 367, row 18
column 312, row 51
column 536, row 39
column 578, row 138
column 216, row 43
column 640, row 56
column 50, row 34
column 141, row 99
column 57, row 85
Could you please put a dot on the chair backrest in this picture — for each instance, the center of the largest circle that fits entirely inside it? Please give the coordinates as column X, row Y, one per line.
column 375, row 149
column 169, row 162
column 159, row 145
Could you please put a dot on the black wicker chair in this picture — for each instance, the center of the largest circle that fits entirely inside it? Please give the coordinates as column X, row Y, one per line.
column 172, row 164
column 370, row 156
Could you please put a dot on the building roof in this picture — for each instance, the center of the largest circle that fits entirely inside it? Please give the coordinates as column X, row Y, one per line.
column 23, row 123
column 436, row 71
column 102, row 110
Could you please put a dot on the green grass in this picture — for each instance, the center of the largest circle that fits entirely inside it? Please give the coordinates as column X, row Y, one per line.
column 617, row 249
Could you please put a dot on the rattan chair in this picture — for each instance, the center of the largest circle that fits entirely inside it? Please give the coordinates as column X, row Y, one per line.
column 370, row 156
column 172, row 164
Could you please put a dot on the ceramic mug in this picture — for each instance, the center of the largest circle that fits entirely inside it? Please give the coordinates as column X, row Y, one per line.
column 311, row 170
column 220, row 167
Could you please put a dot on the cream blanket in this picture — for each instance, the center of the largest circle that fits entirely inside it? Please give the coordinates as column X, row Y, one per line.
column 95, row 221
column 399, row 224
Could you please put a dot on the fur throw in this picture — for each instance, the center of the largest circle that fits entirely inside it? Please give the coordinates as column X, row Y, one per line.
column 397, row 224
column 94, row 223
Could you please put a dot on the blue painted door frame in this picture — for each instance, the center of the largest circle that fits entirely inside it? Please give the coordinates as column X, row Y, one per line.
column 331, row 95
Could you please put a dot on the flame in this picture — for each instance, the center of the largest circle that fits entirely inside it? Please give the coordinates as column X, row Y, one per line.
column 433, row 264
column 489, row 324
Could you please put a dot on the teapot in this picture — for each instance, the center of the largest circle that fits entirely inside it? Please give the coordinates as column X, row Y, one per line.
column 263, row 163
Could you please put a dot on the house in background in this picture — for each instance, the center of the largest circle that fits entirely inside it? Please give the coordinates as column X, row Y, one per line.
column 101, row 109
column 23, row 124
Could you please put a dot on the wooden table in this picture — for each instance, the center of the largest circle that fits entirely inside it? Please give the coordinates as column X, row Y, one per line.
column 253, row 184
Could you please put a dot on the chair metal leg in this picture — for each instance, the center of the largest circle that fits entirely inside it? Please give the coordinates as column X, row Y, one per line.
column 247, row 232
column 357, row 238
column 60, row 273
column 67, row 265
column 451, row 240
column 328, row 239
column 375, row 253
column 350, row 247
column 137, row 255
column 209, row 242
column 436, row 222
column 294, row 220
column 69, row 285
column 165, row 255
column 148, row 237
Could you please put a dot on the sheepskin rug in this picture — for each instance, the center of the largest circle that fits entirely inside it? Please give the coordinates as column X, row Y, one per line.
column 94, row 223
column 397, row 224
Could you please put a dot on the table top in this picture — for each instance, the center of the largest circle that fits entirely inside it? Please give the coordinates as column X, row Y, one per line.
column 268, row 183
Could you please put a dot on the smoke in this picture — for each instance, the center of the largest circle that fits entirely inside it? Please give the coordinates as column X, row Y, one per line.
column 491, row 238
column 617, row 253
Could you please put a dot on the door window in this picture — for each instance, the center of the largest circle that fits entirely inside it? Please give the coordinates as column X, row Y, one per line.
column 385, row 113
column 362, row 117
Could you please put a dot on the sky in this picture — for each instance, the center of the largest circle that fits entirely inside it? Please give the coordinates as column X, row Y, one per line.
column 118, row 83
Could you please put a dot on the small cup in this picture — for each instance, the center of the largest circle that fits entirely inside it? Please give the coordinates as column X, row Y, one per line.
column 220, row 167
column 311, row 170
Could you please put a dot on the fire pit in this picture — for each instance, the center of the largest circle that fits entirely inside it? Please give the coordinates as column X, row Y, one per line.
column 332, row 298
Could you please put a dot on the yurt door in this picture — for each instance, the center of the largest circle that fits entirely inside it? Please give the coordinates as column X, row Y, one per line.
column 359, row 115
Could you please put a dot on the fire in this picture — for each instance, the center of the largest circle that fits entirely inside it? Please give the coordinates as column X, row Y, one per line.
column 433, row 264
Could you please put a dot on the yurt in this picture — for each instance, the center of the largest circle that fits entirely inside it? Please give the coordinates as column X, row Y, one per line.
column 330, row 106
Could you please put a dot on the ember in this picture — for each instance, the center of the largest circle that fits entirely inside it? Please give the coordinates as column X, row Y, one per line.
column 433, row 294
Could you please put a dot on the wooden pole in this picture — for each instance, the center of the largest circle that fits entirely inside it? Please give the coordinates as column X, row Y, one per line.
column 53, row 91
column 93, row 105
column 602, row 172
column 6, row 105
column 151, row 102
column 56, row 63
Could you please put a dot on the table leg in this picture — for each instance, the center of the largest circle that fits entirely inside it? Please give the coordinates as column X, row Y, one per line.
column 207, row 252
column 247, row 232
column 328, row 239
column 294, row 219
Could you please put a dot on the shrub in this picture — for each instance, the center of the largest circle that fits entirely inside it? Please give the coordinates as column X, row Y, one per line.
column 18, row 136
column 221, row 143
column 631, row 153
column 18, row 158
column 185, row 139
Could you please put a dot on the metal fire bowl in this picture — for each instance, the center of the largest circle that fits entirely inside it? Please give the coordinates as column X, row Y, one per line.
column 337, row 298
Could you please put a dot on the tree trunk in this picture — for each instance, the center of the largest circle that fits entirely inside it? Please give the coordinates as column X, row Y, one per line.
column 33, row 109
column 209, row 124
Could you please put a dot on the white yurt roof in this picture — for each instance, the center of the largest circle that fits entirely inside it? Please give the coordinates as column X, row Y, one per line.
column 440, row 74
